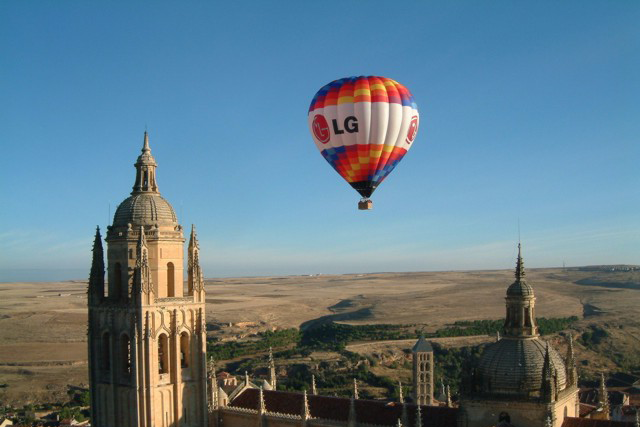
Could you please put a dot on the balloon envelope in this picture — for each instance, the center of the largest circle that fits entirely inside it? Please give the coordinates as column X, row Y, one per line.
column 363, row 126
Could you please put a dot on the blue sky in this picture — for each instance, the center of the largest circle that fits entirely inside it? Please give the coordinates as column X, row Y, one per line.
column 529, row 112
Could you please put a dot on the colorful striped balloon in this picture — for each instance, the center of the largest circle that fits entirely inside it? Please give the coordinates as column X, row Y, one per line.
column 363, row 126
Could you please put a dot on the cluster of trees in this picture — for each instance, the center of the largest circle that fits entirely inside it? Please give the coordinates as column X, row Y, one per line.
column 264, row 340
column 451, row 362
column 593, row 336
column 335, row 336
column 489, row 327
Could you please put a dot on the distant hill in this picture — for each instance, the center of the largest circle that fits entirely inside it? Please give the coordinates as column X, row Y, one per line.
column 606, row 268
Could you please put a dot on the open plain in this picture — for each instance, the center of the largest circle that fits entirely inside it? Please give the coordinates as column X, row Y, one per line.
column 43, row 325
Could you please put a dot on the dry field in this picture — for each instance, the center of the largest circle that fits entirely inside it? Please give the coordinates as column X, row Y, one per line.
column 43, row 325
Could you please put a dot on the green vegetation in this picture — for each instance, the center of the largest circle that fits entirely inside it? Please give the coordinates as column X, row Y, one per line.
column 451, row 362
column 231, row 350
column 335, row 336
column 490, row 327
column 69, row 412
column 593, row 336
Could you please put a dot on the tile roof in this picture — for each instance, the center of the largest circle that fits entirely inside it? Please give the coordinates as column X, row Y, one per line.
column 337, row 408
column 588, row 422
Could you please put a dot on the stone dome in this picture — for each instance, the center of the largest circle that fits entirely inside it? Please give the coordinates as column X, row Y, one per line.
column 513, row 366
column 145, row 209
column 519, row 288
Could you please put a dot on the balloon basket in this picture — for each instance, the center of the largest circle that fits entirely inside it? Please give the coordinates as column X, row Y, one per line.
column 365, row 205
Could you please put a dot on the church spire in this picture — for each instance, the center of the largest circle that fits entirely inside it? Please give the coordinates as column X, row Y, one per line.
column 519, row 265
column 96, row 277
column 145, row 170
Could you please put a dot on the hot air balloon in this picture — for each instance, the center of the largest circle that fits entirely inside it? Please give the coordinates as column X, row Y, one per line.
column 363, row 126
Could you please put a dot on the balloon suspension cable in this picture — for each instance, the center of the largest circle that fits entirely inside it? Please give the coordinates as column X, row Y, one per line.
column 365, row 204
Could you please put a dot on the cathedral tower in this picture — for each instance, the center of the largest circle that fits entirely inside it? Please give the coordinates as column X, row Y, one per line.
column 422, row 372
column 147, row 331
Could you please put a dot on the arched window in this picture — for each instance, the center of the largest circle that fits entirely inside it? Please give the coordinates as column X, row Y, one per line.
column 106, row 347
column 125, row 354
column 117, row 281
column 171, row 286
column 163, row 354
column 185, row 350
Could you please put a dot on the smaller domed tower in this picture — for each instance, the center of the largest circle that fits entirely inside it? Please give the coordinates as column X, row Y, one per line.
column 520, row 375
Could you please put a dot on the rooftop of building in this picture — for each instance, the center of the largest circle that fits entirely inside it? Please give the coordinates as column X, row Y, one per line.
column 337, row 408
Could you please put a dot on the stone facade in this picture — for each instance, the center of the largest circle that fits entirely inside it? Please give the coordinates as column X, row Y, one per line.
column 147, row 334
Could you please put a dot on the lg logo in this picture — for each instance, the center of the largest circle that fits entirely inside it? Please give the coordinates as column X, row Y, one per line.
column 321, row 130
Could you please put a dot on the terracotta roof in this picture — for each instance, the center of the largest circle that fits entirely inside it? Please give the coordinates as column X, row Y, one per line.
column 337, row 408
column 586, row 409
column 588, row 422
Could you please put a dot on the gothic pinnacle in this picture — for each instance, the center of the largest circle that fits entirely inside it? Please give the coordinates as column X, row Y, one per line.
column 520, row 265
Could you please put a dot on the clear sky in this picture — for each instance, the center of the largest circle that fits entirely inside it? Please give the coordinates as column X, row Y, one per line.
column 530, row 111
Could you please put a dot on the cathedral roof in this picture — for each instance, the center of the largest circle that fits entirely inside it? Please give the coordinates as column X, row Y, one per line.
column 514, row 367
column 520, row 288
column 145, row 209
column 337, row 408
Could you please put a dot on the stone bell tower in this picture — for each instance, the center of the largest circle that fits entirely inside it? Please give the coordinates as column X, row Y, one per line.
column 147, row 332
